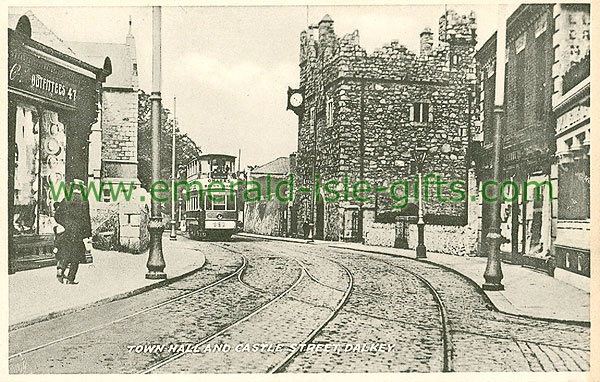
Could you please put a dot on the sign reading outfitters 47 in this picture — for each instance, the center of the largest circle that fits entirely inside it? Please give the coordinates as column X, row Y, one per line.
column 37, row 76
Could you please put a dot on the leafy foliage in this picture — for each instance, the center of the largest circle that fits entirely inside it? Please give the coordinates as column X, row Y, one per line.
column 186, row 148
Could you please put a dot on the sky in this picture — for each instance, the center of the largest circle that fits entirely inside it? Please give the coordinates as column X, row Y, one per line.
column 230, row 67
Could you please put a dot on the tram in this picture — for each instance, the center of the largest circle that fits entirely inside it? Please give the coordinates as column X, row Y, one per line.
column 214, row 214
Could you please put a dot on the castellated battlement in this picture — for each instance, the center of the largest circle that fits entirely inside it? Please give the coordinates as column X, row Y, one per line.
column 451, row 59
column 458, row 28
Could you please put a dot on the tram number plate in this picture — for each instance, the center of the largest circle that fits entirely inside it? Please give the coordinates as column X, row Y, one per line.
column 228, row 224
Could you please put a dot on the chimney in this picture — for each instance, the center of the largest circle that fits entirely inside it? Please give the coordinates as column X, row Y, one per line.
column 426, row 41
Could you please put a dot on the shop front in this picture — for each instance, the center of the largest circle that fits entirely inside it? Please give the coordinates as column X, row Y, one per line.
column 573, row 141
column 52, row 103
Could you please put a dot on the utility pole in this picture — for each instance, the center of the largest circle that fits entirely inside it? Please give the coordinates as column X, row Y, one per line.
column 173, row 235
column 493, row 271
column 156, row 262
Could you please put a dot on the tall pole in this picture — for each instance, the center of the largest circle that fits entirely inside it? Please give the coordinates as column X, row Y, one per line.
column 314, row 183
column 421, row 251
column 420, row 153
column 493, row 271
column 173, row 235
column 156, row 262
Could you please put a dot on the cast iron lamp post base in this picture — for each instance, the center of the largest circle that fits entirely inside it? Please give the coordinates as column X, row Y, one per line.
column 173, row 235
column 156, row 262
column 421, row 249
column 493, row 271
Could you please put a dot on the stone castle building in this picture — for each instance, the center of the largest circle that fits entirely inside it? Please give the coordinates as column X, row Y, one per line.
column 363, row 115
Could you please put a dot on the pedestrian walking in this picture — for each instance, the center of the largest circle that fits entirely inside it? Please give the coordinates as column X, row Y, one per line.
column 74, row 216
column 306, row 229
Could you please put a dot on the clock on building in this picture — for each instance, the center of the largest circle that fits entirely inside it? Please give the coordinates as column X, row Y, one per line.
column 295, row 100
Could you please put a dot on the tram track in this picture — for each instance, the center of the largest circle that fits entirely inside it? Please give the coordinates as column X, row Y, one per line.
column 447, row 345
column 228, row 327
column 280, row 366
column 195, row 291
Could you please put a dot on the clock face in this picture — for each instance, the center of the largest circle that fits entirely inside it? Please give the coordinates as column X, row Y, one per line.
column 296, row 99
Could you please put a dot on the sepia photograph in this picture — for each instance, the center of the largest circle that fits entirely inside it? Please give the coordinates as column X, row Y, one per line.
column 242, row 190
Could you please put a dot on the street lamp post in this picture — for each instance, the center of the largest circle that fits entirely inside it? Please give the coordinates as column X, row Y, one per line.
column 173, row 235
column 156, row 262
column 493, row 271
column 419, row 155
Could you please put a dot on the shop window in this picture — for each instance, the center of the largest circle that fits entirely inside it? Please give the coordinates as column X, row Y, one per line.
column 40, row 143
column 421, row 112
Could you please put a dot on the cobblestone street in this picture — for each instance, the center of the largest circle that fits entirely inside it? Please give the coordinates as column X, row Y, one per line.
column 266, row 306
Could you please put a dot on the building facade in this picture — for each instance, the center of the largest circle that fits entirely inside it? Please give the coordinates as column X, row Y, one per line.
column 529, row 145
column 118, row 223
column 53, row 101
column 571, row 169
column 365, row 113
column 113, row 147
column 270, row 215
column 544, row 42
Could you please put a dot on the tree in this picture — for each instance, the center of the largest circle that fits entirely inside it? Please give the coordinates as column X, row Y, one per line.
column 187, row 149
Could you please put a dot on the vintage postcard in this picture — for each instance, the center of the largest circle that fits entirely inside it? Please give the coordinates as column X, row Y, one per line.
column 321, row 190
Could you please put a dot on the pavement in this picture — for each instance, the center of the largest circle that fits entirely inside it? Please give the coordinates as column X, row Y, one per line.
column 527, row 292
column 36, row 295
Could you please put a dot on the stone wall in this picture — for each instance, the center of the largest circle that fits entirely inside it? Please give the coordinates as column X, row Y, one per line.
column 120, row 225
column 105, row 224
column 133, row 226
column 265, row 217
column 119, row 125
column 453, row 240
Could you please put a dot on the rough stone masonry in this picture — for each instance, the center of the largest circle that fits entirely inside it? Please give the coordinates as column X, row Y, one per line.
column 368, row 111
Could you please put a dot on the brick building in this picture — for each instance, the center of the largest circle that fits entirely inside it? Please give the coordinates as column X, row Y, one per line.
column 528, row 127
column 541, row 44
column 364, row 114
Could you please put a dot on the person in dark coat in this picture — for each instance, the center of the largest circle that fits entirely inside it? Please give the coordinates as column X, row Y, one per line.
column 306, row 229
column 74, row 216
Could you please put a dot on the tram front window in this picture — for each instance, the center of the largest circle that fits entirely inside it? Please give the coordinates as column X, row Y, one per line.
column 216, row 202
